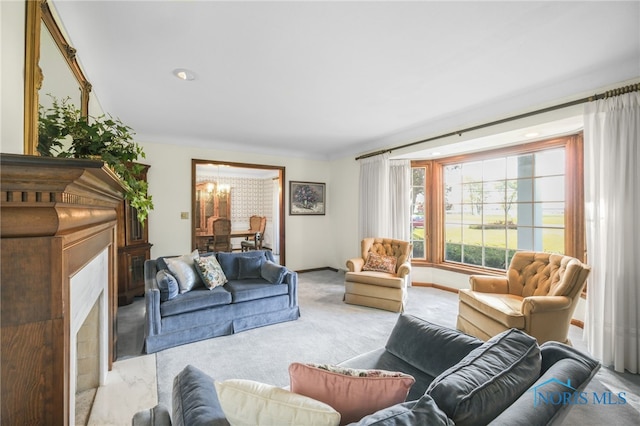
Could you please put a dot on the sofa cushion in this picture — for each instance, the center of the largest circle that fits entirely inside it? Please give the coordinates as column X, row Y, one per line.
column 250, row 403
column 183, row 268
column 429, row 347
column 252, row 289
column 200, row 298
column 489, row 379
column 249, row 267
column 424, row 411
column 195, row 401
column 229, row 261
column 354, row 393
column 272, row 272
column 380, row 263
column 210, row 272
column 167, row 284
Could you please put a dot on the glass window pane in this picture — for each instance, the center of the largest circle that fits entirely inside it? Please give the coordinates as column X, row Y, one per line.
column 550, row 162
column 453, row 233
column 418, row 249
column 472, row 254
column 524, row 189
column 553, row 240
column 525, row 238
column 520, row 166
column 472, row 172
column 453, row 174
column 453, row 252
column 549, row 188
column 494, row 169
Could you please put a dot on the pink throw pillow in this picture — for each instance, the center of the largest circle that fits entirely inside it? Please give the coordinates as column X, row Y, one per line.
column 351, row 392
column 380, row 263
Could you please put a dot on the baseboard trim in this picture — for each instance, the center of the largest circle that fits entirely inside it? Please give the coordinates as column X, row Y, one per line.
column 326, row 268
column 438, row 286
column 577, row 323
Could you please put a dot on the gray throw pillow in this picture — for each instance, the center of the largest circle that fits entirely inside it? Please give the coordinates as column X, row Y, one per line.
column 272, row 272
column 489, row 379
column 421, row 412
column 249, row 267
column 229, row 262
column 184, row 269
column 167, row 284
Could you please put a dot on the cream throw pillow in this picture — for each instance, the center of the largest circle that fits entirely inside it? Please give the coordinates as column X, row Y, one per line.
column 250, row 403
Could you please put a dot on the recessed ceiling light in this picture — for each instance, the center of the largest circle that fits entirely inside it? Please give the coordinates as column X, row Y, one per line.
column 184, row 74
column 531, row 134
column 434, row 153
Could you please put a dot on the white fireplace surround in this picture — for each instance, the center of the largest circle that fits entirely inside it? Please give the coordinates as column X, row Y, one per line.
column 89, row 285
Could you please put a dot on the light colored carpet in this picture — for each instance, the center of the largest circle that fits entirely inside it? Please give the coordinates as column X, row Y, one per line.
column 330, row 331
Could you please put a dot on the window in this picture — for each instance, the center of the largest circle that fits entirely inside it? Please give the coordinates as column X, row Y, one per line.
column 485, row 206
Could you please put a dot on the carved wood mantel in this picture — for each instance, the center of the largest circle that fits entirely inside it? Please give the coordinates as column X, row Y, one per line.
column 56, row 216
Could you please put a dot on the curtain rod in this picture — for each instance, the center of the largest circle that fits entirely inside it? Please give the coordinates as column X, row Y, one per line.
column 608, row 94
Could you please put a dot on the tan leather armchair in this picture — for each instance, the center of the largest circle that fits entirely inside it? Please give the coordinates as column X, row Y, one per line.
column 538, row 295
column 386, row 287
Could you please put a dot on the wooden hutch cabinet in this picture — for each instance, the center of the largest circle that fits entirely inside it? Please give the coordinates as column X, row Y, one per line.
column 133, row 250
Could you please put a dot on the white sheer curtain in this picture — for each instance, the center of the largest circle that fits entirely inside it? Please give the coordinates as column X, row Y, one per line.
column 400, row 194
column 612, row 195
column 374, row 196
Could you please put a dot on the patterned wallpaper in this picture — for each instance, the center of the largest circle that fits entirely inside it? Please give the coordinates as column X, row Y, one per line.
column 250, row 196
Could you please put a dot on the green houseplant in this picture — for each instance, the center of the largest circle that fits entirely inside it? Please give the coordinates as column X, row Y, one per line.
column 64, row 132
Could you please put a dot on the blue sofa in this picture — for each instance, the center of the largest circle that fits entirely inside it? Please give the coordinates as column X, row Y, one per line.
column 458, row 379
column 243, row 303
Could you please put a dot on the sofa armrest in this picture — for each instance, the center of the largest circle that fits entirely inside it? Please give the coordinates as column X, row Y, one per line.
column 291, row 279
column 404, row 269
column 355, row 264
column 489, row 284
column 195, row 400
column 541, row 304
column 151, row 299
column 156, row 416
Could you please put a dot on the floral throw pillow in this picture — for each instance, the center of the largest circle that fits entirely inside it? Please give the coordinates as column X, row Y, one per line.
column 210, row 271
column 380, row 263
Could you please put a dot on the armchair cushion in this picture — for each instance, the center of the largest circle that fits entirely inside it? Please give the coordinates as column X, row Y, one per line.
column 504, row 308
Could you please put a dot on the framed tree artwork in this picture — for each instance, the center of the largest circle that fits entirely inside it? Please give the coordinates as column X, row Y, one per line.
column 307, row 198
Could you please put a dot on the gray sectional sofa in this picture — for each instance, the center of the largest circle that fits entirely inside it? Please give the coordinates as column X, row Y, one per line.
column 458, row 379
column 252, row 297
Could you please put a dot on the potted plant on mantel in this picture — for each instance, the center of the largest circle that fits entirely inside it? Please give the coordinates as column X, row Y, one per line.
column 64, row 132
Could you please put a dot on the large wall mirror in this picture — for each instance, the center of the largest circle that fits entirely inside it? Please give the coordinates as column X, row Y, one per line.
column 51, row 68
column 237, row 191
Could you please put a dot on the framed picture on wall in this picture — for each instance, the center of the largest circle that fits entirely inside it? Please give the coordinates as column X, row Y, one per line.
column 307, row 198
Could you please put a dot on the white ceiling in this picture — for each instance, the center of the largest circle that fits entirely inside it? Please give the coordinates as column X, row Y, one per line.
column 329, row 79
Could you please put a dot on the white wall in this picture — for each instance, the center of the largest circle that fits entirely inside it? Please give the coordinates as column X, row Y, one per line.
column 307, row 238
column 12, row 20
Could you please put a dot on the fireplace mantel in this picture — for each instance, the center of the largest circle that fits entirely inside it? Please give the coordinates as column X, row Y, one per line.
column 58, row 215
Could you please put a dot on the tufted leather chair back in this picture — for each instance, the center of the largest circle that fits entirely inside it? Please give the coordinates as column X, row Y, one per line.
column 546, row 274
column 401, row 250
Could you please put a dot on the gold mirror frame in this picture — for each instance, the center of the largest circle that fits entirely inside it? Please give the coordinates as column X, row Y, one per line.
column 38, row 12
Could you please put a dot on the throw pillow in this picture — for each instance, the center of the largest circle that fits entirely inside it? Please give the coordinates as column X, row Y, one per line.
column 250, row 403
column 421, row 412
column 167, row 285
column 380, row 263
column 272, row 272
column 229, row 261
column 353, row 393
column 183, row 268
column 489, row 379
column 210, row 272
column 249, row 267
